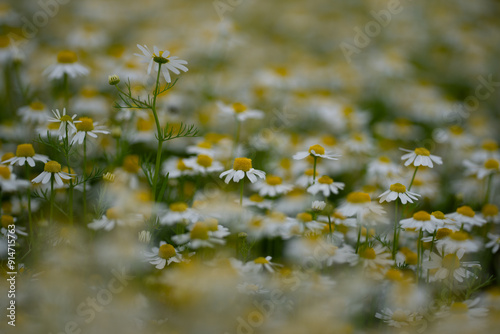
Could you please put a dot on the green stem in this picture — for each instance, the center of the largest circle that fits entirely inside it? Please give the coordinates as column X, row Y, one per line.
column 396, row 228
column 66, row 147
column 413, row 178
column 160, row 136
column 85, row 179
column 359, row 238
column 314, row 169
column 241, row 191
column 52, row 196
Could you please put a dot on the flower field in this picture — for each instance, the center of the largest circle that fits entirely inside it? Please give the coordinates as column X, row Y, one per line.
column 249, row 166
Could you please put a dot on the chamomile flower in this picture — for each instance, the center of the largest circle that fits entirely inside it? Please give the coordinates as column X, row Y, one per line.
column 203, row 164
column 493, row 242
column 318, row 206
column 457, row 240
column 305, row 219
column 178, row 212
column 163, row 256
column 157, row 57
column 242, row 167
column 359, row 204
column 382, row 168
column 467, row 217
column 421, row 221
column 272, row 186
column 257, row 201
column 375, row 258
column 114, row 217
column 86, row 126
column 51, row 170
column 26, row 153
column 202, row 147
column 316, row 151
column 67, row 64
column 398, row 190
column 469, row 308
column 490, row 166
column 398, row 318
column 420, row 157
column 240, row 111
column 176, row 168
column 326, row 185
column 490, row 213
column 9, row 181
column 261, row 264
column 448, row 266
column 6, row 221
column 66, row 123
column 203, row 234
column 35, row 112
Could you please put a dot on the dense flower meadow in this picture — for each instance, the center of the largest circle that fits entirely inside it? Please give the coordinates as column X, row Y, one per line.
column 249, row 166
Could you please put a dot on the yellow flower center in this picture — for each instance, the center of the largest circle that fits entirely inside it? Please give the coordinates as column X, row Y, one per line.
column 466, row 211
column 421, row 216
column 338, row 215
column 87, row 124
column 4, row 40
column 181, row 165
column 25, row 150
column 459, row 236
column 89, row 92
column 398, row 187
column 243, row 164
column 131, row 163
column 5, row 172
column 394, row 275
column 159, row 58
column 318, row 149
column 261, row 260
column 368, row 253
column 212, row 224
column 443, row 233
column 144, row 124
column 204, row 160
column 491, row 164
column 204, row 144
column 37, row 106
column 67, row 57
column 329, row 140
column 489, row 145
column 166, row 251
column 490, row 210
column 52, row 167
column 113, row 213
column 456, row 130
column 451, row 262
column 256, row 198
column 273, row 180
column 178, row 207
column 66, row 118
column 384, row 159
column 281, row 71
column 285, row 163
column 304, row 217
column 411, row 258
column 358, row 197
column 309, row 172
column 459, row 308
column 199, row 231
column 438, row 215
column 239, row 107
column 7, row 220
column 325, row 180
column 72, row 171
column 399, row 316
column 7, row 156
column 422, row 151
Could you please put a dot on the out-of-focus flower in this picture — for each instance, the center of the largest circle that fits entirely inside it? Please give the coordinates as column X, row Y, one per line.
column 242, row 167
column 421, row 221
column 163, row 256
column 316, row 151
column 26, row 153
column 444, row 266
column 67, row 64
column 326, row 185
column 240, row 111
column 35, row 112
column 261, row 264
column 272, row 186
column 467, row 217
column 398, row 190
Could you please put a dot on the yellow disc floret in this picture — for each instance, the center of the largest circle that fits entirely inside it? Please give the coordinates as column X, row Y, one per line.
column 318, row 149
column 166, row 251
column 25, row 150
column 131, row 163
column 273, row 180
column 368, row 253
column 5, row 172
column 261, row 260
column 243, row 164
column 438, row 215
column 178, row 207
column 113, row 213
column 422, row 151
column 67, row 57
column 466, row 211
column 490, row 210
column 443, row 233
column 7, row 220
column 491, row 164
column 459, row 236
column 204, row 160
column 37, row 106
column 421, row 216
column 398, row 187
column 52, row 167
column 451, row 262
column 199, row 231
column 304, row 217
column 239, row 107
column 87, row 124
column 325, row 180
column 358, row 197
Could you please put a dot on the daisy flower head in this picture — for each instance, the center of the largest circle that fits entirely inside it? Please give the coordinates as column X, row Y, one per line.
column 9, row 181
column 26, row 153
column 51, row 170
column 421, row 221
column 66, row 123
column 35, row 112
column 359, row 204
column 67, row 64
column 420, row 157
column 163, row 60
column 470, row 309
column 489, row 212
column 178, row 212
column 316, row 151
column 467, row 217
column 257, row 201
column 272, row 186
column 240, row 111
column 398, row 190
column 398, row 318
column 448, row 266
column 326, row 185
column 203, row 234
column 493, row 242
column 242, row 167
column 203, row 164
column 86, row 126
column 163, row 256
column 112, row 218
column 457, row 240
column 261, row 264
column 318, row 206
column 375, row 258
